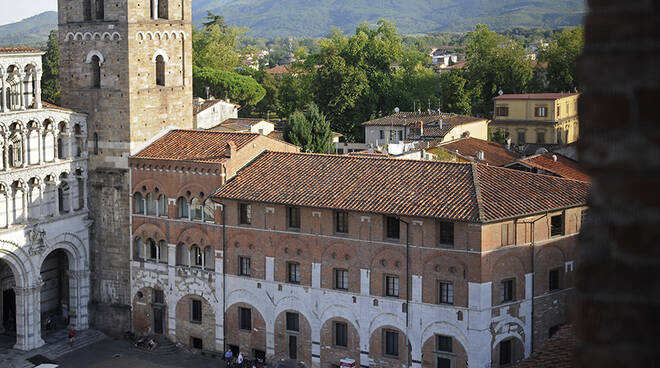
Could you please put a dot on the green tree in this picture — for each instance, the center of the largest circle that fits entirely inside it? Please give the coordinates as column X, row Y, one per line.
column 561, row 56
column 294, row 93
column 453, row 95
column 50, row 82
column 215, row 47
column 494, row 63
column 309, row 130
column 270, row 103
column 241, row 89
column 214, row 19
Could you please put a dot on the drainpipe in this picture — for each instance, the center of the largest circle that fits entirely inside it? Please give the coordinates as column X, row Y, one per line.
column 224, row 273
column 407, row 287
column 533, row 259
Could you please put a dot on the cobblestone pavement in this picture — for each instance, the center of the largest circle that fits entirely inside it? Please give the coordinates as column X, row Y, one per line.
column 92, row 349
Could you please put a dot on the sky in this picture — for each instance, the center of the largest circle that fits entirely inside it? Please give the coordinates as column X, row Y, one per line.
column 26, row 9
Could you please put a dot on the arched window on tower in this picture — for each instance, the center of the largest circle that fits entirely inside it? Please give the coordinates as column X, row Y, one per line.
column 162, row 206
column 163, row 9
column 196, row 209
column 87, row 9
column 96, row 143
column 160, row 70
column 183, row 210
column 99, row 11
column 96, row 72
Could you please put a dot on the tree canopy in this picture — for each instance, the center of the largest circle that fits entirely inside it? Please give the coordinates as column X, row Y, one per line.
column 561, row 55
column 50, row 82
column 232, row 86
column 309, row 130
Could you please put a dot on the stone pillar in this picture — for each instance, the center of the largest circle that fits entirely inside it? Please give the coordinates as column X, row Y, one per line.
column 3, row 104
column 24, row 153
column 479, row 318
column 55, row 148
column 37, row 90
column 71, row 182
column 78, row 299
column 39, row 147
column 7, row 199
column 56, row 210
column 5, row 155
column 70, row 140
column 171, row 304
column 28, row 317
column 316, row 275
column 84, row 191
column 21, row 95
column 26, row 209
column 365, row 281
column 41, row 201
column 270, row 269
column 316, row 347
column 154, row 9
column 219, row 297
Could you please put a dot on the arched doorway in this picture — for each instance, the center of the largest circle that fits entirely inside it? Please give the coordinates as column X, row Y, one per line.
column 7, row 305
column 55, row 301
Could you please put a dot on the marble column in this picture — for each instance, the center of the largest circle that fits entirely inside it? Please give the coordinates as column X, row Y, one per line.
column 37, row 90
column 154, row 9
column 28, row 317
column 24, row 153
column 21, row 96
column 78, row 299
column 3, row 104
column 39, row 146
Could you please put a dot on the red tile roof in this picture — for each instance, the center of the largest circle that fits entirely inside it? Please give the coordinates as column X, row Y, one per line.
column 564, row 166
column 279, row 69
column 406, row 118
column 494, row 153
column 458, row 65
column 48, row 105
column 534, row 96
column 18, row 50
column 458, row 191
column 194, row 145
column 557, row 352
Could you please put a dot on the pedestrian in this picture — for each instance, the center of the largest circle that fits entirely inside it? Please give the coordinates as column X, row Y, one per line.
column 228, row 356
column 239, row 360
column 72, row 336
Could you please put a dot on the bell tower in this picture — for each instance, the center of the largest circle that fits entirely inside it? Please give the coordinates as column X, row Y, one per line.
column 128, row 65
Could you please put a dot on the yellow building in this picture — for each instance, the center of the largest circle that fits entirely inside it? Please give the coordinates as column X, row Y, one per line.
column 550, row 118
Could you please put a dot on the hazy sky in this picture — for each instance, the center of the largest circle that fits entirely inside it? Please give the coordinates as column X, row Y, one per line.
column 13, row 10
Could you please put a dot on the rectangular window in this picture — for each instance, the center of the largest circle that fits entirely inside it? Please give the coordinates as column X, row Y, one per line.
column 505, row 352
column 392, row 227
column 521, row 137
column 443, row 362
column 557, row 225
column 159, row 298
column 196, row 343
column 293, row 347
column 293, row 272
column 445, row 292
column 554, row 279
column 392, row 132
column 443, row 343
column 382, row 134
column 508, row 234
column 341, row 334
column 292, row 322
column 341, row 222
column 584, row 215
column 553, row 330
column 446, row 233
column 559, row 110
column 293, row 217
column 391, row 343
column 341, row 279
column 245, row 213
column 540, row 137
column 507, row 290
column 392, row 286
column 196, row 307
column 244, row 266
column 541, row 111
column 245, row 318
column 502, row 111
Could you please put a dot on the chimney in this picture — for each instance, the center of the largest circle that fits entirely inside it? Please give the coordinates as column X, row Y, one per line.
column 554, row 158
column 480, row 155
column 230, row 150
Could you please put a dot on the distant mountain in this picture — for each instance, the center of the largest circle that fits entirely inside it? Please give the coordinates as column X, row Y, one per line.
column 313, row 18
column 32, row 31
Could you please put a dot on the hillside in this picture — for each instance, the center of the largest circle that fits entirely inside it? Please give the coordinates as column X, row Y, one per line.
column 313, row 18
column 32, row 31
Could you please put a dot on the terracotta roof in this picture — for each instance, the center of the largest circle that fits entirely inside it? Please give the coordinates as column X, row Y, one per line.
column 406, row 118
column 458, row 191
column 194, row 145
column 564, row 166
column 458, row 65
column 276, row 134
column 557, row 352
column 279, row 69
column 48, row 105
column 494, row 153
column 18, row 50
column 197, row 108
column 533, row 63
column 534, row 96
column 238, row 124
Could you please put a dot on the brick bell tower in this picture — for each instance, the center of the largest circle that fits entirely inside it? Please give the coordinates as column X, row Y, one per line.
column 128, row 65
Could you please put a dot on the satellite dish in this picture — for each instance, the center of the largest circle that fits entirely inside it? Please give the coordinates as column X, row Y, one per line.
column 500, row 92
column 396, row 110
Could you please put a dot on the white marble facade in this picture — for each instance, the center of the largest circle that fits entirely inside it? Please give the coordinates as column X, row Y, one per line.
column 43, row 205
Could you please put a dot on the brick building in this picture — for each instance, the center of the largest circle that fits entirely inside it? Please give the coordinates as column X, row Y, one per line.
column 305, row 257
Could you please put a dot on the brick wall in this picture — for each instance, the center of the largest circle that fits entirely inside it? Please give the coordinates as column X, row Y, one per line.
column 619, row 257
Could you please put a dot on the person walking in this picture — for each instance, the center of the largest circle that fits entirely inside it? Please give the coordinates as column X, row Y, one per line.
column 72, row 336
column 239, row 360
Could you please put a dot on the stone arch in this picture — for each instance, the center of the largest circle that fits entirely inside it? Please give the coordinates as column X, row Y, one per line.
column 294, row 303
column 97, row 36
column 518, row 348
column 283, row 336
column 444, row 328
column 88, row 58
column 260, row 324
column 339, row 311
column 193, row 235
column 332, row 356
column 69, row 36
column 75, row 249
column 193, row 188
column 115, row 36
column 457, row 354
column 377, row 344
column 245, row 296
column 188, row 329
column 18, row 262
column 386, row 319
column 87, row 36
column 148, row 230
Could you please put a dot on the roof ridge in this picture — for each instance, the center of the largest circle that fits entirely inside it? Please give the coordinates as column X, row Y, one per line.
column 363, row 157
column 477, row 192
column 531, row 173
column 211, row 131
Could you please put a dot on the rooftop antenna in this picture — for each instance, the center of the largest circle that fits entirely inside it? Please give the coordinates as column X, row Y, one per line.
column 500, row 92
column 396, row 110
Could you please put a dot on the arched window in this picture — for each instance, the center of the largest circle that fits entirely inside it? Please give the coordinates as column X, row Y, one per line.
column 139, row 248
column 64, row 192
column 209, row 259
column 138, row 203
column 196, row 209
column 151, row 205
column 81, row 193
column 96, row 71
column 162, row 9
column 182, row 255
column 78, row 147
column 160, row 70
column 196, row 256
column 162, row 251
column 15, row 154
column 19, row 211
column 99, row 11
column 182, row 208
column 153, row 250
column 209, row 208
column 87, row 9
column 60, row 148
column 162, row 206
column 96, row 143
